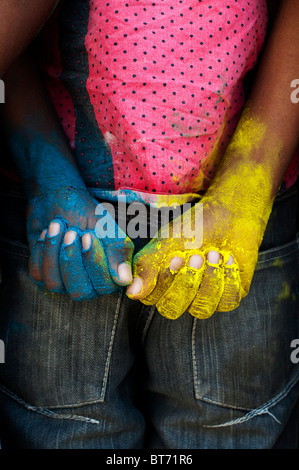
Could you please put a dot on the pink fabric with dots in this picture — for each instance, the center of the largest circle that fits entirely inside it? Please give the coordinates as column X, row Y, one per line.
column 166, row 86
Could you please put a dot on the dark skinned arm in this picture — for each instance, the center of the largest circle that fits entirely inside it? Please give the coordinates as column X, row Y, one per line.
column 20, row 21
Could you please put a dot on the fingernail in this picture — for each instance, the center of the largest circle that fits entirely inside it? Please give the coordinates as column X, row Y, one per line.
column 54, row 229
column 70, row 237
column 136, row 286
column 230, row 260
column 124, row 272
column 213, row 257
column 43, row 235
column 176, row 263
column 195, row 261
column 86, row 241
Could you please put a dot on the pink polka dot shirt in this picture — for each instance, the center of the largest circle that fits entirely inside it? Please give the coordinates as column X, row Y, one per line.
column 149, row 92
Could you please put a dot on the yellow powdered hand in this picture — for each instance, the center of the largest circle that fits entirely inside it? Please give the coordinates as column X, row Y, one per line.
column 217, row 274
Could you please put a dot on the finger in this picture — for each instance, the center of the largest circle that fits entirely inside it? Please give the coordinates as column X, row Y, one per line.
column 211, row 288
column 119, row 256
column 74, row 275
column 231, row 295
column 147, row 266
column 50, row 267
column 96, row 265
column 118, row 249
column 246, row 269
column 164, row 281
column 36, row 257
column 183, row 289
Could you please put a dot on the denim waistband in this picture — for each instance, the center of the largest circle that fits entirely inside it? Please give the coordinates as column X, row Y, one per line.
column 281, row 229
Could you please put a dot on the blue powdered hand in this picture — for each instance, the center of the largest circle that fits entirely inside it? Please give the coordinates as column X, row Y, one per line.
column 69, row 251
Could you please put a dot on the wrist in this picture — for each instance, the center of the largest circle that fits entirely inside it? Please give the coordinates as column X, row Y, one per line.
column 55, row 191
column 248, row 179
column 50, row 172
column 43, row 165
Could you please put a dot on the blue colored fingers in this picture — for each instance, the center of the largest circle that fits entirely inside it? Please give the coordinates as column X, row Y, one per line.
column 75, row 277
column 50, row 268
column 96, row 265
column 35, row 259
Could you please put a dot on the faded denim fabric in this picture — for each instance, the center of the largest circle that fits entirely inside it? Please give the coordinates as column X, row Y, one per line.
column 112, row 373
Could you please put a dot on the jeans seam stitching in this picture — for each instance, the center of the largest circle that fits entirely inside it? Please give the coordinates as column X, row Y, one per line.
column 279, row 256
column 263, row 264
column 147, row 324
column 294, row 245
column 278, row 397
column 194, row 361
column 46, row 411
column 260, row 410
column 104, row 381
column 109, row 354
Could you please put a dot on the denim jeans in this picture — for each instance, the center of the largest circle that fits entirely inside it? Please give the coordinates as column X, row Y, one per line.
column 113, row 373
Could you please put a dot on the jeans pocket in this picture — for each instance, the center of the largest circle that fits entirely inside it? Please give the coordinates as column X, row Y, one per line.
column 58, row 351
column 242, row 359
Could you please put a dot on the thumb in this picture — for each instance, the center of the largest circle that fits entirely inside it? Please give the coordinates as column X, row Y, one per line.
column 146, row 267
column 118, row 247
column 119, row 253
